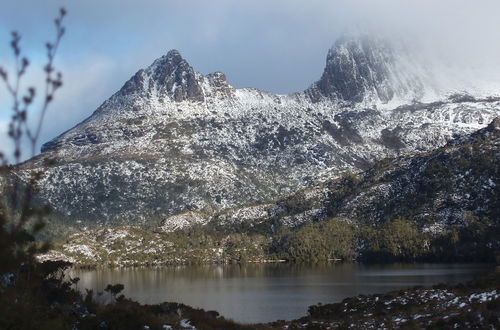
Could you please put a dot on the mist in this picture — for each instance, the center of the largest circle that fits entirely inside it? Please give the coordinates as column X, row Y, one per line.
column 278, row 46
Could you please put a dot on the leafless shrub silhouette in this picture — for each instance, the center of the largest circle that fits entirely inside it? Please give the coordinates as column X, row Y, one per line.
column 20, row 220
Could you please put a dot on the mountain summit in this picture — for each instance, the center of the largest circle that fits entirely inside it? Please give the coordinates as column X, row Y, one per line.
column 169, row 77
column 369, row 69
column 173, row 140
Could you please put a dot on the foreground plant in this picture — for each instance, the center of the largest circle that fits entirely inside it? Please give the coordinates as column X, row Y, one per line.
column 27, row 288
column 20, row 219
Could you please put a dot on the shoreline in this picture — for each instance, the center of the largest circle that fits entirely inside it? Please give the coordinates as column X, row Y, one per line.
column 277, row 261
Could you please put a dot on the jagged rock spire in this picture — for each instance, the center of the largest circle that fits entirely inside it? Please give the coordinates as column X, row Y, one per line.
column 170, row 77
column 360, row 68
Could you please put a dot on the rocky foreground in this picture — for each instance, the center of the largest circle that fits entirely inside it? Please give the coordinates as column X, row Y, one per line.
column 475, row 305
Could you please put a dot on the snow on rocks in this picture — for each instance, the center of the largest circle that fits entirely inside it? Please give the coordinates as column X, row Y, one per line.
column 463, row 306
column 183, row 220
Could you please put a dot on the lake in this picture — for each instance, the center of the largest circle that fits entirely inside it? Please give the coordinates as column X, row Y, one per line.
column 267, row 292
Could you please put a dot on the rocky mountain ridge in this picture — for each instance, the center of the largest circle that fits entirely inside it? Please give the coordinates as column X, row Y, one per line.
column 173, row 140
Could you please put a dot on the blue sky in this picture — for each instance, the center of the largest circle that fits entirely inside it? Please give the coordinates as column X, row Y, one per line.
column 274, row 45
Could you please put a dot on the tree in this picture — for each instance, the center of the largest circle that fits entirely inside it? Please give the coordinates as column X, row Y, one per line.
column 319, row 242
column 20, row 220
column 114, row 290
column 401, row 239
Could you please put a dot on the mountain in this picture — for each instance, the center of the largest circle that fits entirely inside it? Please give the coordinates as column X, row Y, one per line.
column 173, row 140
column 440, row 205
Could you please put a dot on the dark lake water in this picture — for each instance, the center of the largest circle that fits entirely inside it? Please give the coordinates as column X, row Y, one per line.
column 267, row 292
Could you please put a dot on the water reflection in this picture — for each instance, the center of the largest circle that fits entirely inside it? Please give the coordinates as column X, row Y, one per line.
column 267, row 292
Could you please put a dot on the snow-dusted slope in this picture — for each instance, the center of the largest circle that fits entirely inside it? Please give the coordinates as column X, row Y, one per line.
column 439, row 189
column 173, row 140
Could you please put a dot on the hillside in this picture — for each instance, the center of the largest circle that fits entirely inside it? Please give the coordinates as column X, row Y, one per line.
column 436, row 189
column 438, row 205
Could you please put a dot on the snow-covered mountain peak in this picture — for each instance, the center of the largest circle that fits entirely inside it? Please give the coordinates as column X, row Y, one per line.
column 173, row 139
column 169, row 78
column 371, row 70
column 172, row 59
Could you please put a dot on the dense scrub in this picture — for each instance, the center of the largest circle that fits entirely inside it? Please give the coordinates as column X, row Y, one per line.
column 317, row 242
column 339, row 239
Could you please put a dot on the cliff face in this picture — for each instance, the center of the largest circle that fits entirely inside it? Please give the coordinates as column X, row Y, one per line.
column 173, row 140
column 371, row 70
